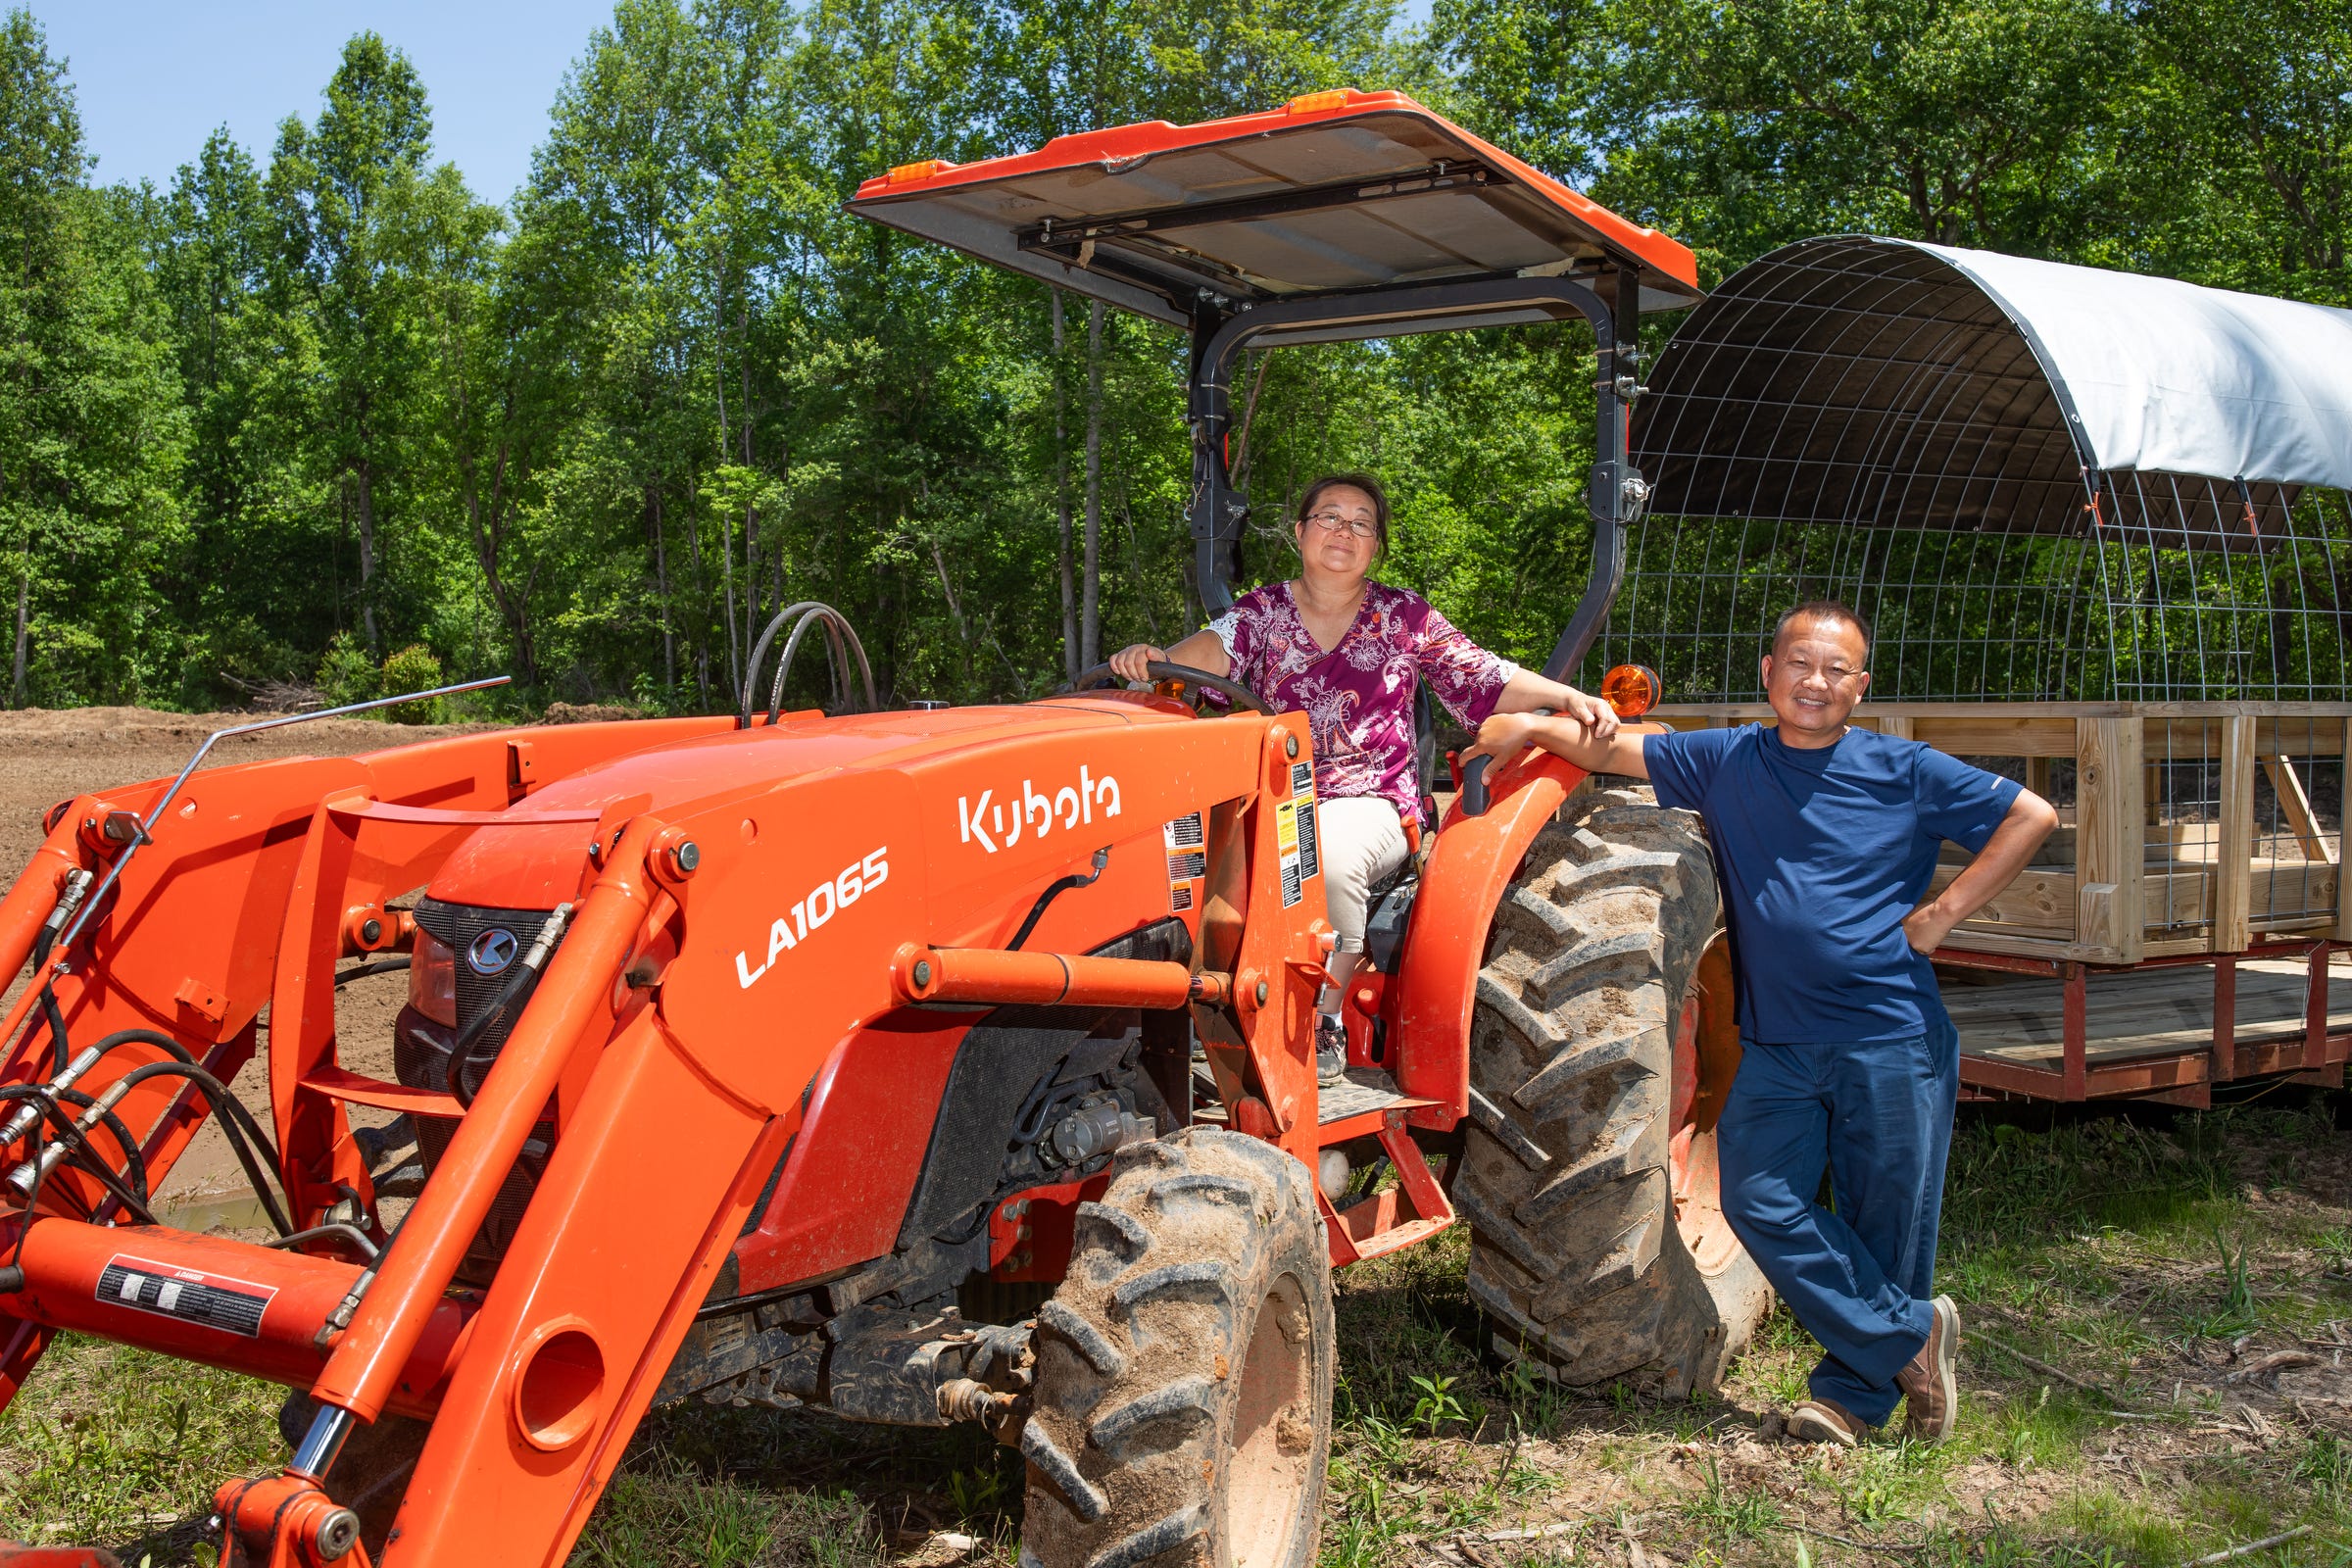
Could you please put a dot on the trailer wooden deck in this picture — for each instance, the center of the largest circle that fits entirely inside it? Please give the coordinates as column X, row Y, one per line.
column 2020, row 1019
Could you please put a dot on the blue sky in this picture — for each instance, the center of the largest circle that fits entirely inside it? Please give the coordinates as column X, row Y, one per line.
column 154, row 78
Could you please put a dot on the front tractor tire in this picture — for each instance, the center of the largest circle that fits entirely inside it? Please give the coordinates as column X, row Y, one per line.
column 1182, row 1410
column 1601, row 1051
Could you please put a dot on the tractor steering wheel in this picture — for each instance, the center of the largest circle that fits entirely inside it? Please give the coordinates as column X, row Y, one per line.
column 1200, row 679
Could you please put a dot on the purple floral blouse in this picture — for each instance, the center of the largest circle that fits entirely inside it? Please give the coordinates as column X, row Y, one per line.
column 1358, row 697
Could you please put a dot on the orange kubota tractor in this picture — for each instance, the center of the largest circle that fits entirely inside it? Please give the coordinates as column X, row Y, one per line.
column 932, row 1065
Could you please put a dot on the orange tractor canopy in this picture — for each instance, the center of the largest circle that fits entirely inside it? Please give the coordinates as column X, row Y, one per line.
column 932, row 1065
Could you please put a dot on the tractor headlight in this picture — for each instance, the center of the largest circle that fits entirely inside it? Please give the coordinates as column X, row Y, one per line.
column 433, row 979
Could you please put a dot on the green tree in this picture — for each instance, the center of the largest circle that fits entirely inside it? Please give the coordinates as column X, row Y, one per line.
column 1738, row 127
column 91, row 432
column 2253, row 104
column 342, row 189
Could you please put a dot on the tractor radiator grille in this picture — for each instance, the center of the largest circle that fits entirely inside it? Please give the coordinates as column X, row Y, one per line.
column 420, row 1060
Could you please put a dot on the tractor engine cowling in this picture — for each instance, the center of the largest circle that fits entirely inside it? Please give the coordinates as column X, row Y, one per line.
column 468, row 961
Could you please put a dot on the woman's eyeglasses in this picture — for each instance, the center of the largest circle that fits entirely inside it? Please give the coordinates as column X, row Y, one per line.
column 1333, row 522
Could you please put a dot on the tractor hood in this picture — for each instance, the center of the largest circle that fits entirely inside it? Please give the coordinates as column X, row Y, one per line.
column 526, row 865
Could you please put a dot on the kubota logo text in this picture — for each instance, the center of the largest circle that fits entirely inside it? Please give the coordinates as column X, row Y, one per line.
column 814, row 908
column 999, row 824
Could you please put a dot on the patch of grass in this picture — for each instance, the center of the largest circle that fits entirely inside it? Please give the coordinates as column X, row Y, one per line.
column 114, row 1446
column 668, row 1516
column 1732, row 1514
column 2128, row 1255
column 2129, row 1529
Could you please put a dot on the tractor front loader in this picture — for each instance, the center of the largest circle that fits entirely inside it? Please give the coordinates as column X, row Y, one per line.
column 938, row 1065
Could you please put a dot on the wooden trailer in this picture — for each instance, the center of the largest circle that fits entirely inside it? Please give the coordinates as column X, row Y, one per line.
column 2100, row 525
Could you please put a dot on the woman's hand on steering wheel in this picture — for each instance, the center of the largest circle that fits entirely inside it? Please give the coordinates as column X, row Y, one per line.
column 1129, row 663
column 1152, row 670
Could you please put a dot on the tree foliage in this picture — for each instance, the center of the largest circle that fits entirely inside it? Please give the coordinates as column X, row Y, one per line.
column 291, row 418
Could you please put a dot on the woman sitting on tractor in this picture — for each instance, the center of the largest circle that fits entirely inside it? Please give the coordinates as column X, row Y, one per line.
column 1347, row 651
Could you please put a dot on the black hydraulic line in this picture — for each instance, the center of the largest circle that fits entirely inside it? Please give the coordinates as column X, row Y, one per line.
column 399, row 960
column 461, row 1049
column 135, row 1164
column 837, row 628
column 62, row 1048
column 519, row 985
column 51, row 1013
column 78, row 1151
column 236, row 1124
column 340, row 1231
column 1037, row 910
column 145, row 1037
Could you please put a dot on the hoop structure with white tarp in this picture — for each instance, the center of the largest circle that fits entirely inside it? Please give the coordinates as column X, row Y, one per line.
column 2042, row 481
column 2101, row 523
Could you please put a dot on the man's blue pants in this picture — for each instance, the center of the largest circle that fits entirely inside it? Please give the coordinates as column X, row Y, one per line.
column 1861, row 1280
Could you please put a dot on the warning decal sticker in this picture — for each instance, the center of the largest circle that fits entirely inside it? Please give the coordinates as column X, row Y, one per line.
column 1310, row 857
column 1285, row 840
column 1188, row 858
column 188, row 1295
column 1302, row 779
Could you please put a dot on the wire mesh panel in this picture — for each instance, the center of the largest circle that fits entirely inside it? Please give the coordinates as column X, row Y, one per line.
column 2299, row 800
column 1860, row 422
column 2181, row 845
column 1857, row 420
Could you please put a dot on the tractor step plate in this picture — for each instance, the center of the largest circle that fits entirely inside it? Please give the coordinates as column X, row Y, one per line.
column 1364, row 1090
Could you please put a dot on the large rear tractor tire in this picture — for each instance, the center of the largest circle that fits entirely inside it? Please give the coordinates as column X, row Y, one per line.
column 1602, row 1046
column 1182, row 1408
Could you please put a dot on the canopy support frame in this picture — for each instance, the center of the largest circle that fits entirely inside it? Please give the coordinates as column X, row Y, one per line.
column 1610, row 303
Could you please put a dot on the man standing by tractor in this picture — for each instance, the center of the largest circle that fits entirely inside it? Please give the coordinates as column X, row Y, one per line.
column 1827, row 837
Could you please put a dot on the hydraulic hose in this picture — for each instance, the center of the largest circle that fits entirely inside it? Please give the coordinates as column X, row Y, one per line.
column 51, row 1013
column 1037, row 910
column 361, row 971
column 73, row 1144
column 22, row 1121
column 135, row 1164
column 243, row 1133
column 841, row 643
column 519, row 985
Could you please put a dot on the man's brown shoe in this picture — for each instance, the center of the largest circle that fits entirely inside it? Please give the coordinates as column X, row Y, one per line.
column 1824, row 1421
column 1931, row 1384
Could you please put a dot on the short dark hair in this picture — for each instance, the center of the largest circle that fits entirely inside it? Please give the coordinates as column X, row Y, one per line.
column 1824, row 610
column 1353, row 481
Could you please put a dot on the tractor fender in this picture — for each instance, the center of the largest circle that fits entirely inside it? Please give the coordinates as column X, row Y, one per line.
column 1470, row 865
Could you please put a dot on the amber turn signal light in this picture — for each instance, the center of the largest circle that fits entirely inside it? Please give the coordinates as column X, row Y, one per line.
column 1632, row 690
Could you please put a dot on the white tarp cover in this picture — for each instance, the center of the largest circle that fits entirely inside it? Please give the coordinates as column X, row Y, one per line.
column 2169, row 377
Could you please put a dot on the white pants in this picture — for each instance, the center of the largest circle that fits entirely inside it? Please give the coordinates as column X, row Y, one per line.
column 1362, row 841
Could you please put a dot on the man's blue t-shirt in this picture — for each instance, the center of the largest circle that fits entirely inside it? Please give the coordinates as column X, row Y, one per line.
column 1823, row 853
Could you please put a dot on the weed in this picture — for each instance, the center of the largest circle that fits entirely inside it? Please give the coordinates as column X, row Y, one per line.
column 1436, row 1404
column 976, row 1492
column 2327, row 1463
column 2334, row 1246
column 1732, row 1515
column 2238, row 1311
column 1383, row 1439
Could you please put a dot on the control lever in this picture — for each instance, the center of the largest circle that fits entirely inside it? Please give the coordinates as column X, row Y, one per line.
column 1474, row 787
